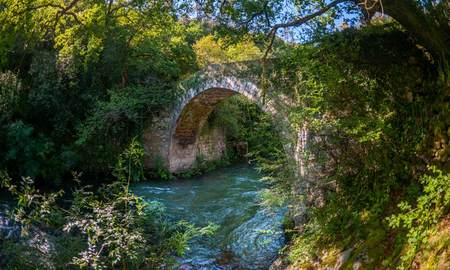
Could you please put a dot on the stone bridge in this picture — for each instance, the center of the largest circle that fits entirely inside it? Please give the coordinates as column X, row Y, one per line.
column 174, row 140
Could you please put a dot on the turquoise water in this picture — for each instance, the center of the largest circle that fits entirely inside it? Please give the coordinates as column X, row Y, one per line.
column 228, row 197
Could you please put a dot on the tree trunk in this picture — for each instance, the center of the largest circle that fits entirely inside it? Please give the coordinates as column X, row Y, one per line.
column 431, row 33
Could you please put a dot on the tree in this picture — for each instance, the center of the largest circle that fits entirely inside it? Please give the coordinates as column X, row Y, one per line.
column 66, row 65
column 212, row 51
column 426, row 20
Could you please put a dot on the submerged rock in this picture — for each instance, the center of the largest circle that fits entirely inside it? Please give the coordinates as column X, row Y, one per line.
column 258, row 240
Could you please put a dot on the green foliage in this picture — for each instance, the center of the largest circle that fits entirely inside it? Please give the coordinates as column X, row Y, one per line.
column 243, row 121
column 10, row 87
column 108, row 130
column 77, row 72
column 80, row 80
column 309, row 20
column 109, row 223
column 159, row 171
column 108, row 227
column 79, row 83
column 374, row 106
column 204, row 166
column 33, row 208
column 211, row 51
column 28, row 153
column 130, row 164
column 420, row 221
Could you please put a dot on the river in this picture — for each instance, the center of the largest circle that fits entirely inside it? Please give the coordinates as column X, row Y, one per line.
column 248, row 236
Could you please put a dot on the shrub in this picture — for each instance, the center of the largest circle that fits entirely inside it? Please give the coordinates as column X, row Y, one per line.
column 110, row 228
column 113, row 124
column 419, row 221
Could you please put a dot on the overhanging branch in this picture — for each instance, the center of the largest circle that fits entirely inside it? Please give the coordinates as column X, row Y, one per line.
column 297, row 22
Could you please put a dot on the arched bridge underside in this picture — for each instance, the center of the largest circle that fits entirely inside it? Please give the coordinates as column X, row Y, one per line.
column 174, row 140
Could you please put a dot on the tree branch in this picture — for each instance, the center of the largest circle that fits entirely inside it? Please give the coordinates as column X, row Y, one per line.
column 297, row 22
column 263, row 11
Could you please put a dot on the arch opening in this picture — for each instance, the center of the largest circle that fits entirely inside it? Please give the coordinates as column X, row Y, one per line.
column 187, row 143
column 172, row 139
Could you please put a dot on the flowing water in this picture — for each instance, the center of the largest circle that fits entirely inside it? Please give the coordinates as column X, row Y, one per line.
column 248, row 236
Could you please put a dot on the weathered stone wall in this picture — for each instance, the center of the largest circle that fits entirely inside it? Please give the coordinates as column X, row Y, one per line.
column 157, row 140
column 211, row 144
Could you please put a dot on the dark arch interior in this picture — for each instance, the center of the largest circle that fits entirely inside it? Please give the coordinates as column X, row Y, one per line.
column 204, row 128
column 196, row 112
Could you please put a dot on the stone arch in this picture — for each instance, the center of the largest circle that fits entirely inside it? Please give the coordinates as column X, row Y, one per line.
column 169, row 140
column 192, row 111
